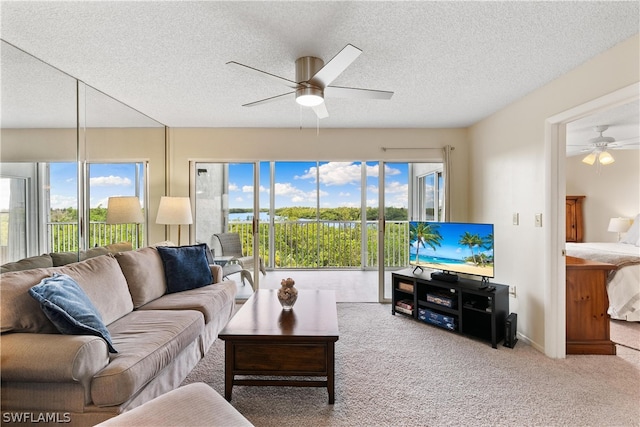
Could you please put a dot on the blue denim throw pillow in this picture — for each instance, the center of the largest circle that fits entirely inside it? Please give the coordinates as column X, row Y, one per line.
column 68, row 307
column 185, row 267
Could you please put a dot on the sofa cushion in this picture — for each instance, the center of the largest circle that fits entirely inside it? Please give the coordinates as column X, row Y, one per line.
column 195, row 404
column 147, row 341
column 63, row 258
column 69, row 308
column 185, row 267
column 20, row 312
column 114, row 248
column 144, row 273
column 40, row 261
column 105, row 285
column 209, row 300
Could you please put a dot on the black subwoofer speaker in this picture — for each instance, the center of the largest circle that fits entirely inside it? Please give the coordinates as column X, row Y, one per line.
column 510, row 330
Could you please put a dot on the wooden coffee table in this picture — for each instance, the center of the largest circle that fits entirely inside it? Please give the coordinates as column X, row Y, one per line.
column 262, row 339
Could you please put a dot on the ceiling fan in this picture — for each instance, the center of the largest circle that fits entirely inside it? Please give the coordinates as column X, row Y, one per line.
column 599, row 146
column 313, row 80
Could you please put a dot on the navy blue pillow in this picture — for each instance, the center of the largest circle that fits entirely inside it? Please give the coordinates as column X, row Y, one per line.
column 68, row 307
column 185, row 267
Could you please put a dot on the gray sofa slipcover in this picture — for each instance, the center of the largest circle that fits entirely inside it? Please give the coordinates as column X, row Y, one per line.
column 160, row 337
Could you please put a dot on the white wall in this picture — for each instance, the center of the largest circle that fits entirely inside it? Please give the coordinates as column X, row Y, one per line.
column 611, row 191
column 509, row 170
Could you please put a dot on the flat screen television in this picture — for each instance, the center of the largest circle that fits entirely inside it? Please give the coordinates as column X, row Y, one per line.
column 451, row 248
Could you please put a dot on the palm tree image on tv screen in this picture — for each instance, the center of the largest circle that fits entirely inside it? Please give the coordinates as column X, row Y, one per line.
column 452, row 247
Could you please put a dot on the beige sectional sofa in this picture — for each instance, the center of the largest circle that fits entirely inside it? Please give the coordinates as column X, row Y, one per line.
column 57, row 259
column 159, row 337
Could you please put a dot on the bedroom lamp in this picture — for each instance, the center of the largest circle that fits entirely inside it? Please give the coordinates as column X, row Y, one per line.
column 619, row 225
column 125, row 210
column 174, row 211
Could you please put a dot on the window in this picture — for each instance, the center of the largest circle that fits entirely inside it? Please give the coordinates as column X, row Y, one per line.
column 430, row 194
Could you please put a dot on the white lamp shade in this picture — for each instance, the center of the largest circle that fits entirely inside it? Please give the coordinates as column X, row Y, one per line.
column 174, row 211
column 124, row 210
column 619, row 225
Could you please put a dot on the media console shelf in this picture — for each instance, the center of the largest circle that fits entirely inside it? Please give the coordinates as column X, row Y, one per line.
column 460, row 307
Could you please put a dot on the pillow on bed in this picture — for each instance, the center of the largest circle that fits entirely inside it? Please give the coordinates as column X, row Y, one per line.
column 633, row 234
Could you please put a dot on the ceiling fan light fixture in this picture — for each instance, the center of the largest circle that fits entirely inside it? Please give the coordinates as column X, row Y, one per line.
column 606, row 158
column 590, row 158
column 309, row 96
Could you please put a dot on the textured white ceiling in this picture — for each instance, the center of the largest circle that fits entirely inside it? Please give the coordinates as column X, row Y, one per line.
column 450, row 64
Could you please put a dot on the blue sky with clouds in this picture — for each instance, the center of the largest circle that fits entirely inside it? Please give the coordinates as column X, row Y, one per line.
column 105, row 180
column 340, row 184
column 296, row 184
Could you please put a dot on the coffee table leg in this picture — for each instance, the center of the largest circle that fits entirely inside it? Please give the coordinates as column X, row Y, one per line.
column 331, row 372
column 228, row 370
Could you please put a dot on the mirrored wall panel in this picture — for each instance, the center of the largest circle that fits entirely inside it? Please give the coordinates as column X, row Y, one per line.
column 66, row 150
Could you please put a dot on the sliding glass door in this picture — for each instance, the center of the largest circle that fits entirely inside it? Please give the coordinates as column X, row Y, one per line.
column 321, row 216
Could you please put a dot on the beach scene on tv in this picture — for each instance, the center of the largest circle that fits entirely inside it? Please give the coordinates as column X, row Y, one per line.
column 454, row 247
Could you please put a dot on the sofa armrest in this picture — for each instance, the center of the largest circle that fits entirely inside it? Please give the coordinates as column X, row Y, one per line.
column 216, row 272
column 28, row 357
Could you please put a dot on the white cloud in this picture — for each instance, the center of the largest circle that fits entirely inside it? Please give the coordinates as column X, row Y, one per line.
column 60, row 202
column 247, row 188
column 335, row 173
column 395, row 187
column 233, row 187
column 104, row 181
column 342, row 173
column 295, row 194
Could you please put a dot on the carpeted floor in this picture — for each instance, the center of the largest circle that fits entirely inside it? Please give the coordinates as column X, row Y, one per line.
column 394, row 371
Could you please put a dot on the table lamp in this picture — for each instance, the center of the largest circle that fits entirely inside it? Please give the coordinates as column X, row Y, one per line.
column 174, row 211
column 619, row 225
column 125, row 210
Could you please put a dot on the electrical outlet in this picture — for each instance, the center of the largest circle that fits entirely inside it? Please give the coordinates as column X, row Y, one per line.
column 512, row 291
column 516, row 218
column 538, row 220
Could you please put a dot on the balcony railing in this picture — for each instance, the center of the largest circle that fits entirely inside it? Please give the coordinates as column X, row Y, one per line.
column 327, row 244
column 63, row 236
column 297, row 244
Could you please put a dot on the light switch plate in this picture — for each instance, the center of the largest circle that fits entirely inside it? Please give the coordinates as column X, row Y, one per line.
column 538, row 220
column 516, row 218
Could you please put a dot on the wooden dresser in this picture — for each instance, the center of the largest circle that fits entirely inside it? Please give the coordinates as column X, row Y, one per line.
column 575, row 226
column 587, row 304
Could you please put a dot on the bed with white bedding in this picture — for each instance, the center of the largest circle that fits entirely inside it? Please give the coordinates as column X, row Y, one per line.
column 623, row 285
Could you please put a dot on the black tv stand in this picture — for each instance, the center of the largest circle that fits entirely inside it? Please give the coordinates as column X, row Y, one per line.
column 443, row 276
column 417, row 268
column 467, row 307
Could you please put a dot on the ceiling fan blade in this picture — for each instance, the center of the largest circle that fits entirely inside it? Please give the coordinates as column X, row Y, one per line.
column 335, row 66
column 354, row 92
column 268, row 100
column 281, row 80
column 624, row 142
column 321, row 111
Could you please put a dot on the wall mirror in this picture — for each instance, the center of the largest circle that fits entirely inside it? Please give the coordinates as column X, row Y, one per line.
column 66, row 148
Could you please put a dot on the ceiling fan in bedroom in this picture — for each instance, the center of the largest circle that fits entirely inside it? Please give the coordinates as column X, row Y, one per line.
column 313, row 82
column 599, row 146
